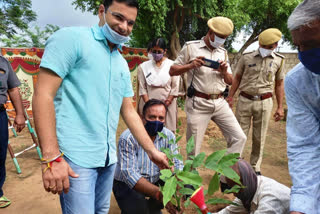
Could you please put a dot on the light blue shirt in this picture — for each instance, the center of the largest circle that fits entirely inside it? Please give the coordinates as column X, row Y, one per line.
column 88, row 102
column 302, row 89
column 134, row 163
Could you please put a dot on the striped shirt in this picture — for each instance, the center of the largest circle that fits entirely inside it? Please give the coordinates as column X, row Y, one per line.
column 134, row 163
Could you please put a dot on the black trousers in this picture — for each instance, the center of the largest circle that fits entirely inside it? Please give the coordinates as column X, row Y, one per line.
column 133, row 202
column 3, row 147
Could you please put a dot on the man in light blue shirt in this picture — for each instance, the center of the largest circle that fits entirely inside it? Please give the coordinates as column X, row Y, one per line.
column 302, row 87
column 136, row 177
column 83, row 85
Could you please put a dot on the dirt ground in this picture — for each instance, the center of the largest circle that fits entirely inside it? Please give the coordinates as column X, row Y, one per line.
column 27, row 195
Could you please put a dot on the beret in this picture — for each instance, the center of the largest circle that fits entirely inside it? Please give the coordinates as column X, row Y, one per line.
column 270, row 36
column 221, row 25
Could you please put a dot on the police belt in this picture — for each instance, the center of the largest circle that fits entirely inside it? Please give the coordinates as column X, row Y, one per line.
column 2, row 108
column 207, row 96
column 256, row 97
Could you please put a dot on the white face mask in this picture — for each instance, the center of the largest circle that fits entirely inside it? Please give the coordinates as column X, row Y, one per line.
column 265, row 52
column 217, row 41
column 150, row 56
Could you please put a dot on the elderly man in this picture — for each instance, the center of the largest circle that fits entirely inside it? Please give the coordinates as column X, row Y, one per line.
column 302, row 87
column 83, row 85
column 256, row 74
column 205, row 99
column 136, row 177
column 8, row 86
column 260, row 195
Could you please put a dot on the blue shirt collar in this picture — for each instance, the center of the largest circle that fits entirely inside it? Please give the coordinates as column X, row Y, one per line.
column 98, row 35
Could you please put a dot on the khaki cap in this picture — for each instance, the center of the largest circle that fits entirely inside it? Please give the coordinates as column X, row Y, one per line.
column 270, row 36
column 221, row 25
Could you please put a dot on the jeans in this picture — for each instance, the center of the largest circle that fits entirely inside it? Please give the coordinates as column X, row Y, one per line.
column 90, row 193
column 133, row 202
column 3, row 147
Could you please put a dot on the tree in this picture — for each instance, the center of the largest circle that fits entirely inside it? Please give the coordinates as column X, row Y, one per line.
column 15, row 15
column 31, row 37
column 179, row 21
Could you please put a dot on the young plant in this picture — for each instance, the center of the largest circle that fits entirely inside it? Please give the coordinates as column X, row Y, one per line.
column 179, row 184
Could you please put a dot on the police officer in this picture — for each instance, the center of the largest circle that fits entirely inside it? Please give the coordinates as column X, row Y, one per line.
column 8, row 85
column 205, row 99
column 255, row 76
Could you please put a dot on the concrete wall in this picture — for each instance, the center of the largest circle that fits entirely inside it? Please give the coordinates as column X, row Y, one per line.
column 291, row 59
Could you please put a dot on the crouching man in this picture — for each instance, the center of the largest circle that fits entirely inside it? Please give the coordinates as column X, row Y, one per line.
column 136, row 180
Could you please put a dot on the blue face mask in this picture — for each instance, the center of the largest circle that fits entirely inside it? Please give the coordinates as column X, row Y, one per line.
column 153, row 127
column 311, row 59
column 111, row 35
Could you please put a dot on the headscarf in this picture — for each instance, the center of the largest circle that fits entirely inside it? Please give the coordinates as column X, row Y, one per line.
column 250, row 181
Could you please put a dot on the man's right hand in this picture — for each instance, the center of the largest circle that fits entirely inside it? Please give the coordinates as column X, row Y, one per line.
column 197, row 62
column 229, row 99
column 56, row 178
column 294, row 212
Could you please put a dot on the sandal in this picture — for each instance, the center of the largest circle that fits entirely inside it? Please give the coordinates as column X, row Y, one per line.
column 4, row 202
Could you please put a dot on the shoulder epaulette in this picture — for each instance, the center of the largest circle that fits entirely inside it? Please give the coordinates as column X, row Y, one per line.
column 193, row 42
column 279, row 55
column 248, row 52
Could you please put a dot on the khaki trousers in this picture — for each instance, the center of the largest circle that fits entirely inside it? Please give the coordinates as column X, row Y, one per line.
column 259, row 112
column 200, row 111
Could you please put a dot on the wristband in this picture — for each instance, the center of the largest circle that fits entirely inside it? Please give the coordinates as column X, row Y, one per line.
column 49, row 162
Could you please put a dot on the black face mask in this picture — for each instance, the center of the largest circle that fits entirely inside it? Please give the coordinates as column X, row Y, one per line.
column 153, row 127
column 224, row 186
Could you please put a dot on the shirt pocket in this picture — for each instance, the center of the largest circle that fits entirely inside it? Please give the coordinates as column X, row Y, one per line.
column 270, row 72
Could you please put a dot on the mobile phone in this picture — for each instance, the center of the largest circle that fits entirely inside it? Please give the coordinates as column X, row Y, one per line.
column 211, row 63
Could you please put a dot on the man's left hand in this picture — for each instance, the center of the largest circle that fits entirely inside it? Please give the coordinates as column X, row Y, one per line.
column 223, row 68
column 279, row 115
column 19, row 123
column 159, row 158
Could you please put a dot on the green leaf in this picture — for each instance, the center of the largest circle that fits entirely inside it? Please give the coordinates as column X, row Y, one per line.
column 161, row 135
column 229, row 159
column 234, row 189
column 171, row 141
column 165, row 174
column 178, row 156
column 231, row 174
column 173, row 201
column 169, row 189
column 214, row 184
column 198, row 160
column 186, row 191
column 219, row 201
column 213, row 159
column 190, row 178
column 190, row 145
column 178, row 139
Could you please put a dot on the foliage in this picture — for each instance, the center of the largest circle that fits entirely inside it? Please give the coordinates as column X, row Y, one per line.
column 31, row 38
column 15, row 15
column 180, row 21
column 177, row 182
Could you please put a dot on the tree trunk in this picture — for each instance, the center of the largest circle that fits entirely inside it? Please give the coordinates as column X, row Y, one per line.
column 175, row 46
column 237, row 56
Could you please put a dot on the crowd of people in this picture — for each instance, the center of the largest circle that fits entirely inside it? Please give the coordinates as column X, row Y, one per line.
column 81, row 162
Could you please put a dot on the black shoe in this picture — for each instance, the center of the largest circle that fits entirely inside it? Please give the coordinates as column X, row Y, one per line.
column 258, row 173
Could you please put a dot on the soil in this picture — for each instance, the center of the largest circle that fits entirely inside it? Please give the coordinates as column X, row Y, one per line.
column 27, row 195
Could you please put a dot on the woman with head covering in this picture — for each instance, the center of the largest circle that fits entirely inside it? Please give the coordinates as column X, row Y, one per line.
column 156, row 83
column 261, row 194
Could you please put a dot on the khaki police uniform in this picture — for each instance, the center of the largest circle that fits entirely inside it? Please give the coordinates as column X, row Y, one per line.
column 200, row 110
column 258, row 79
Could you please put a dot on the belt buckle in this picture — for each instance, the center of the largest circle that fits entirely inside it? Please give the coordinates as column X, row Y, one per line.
column 256, row 97
column 213, row 96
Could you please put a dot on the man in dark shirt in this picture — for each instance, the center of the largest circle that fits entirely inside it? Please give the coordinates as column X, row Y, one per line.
column 8, row 85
